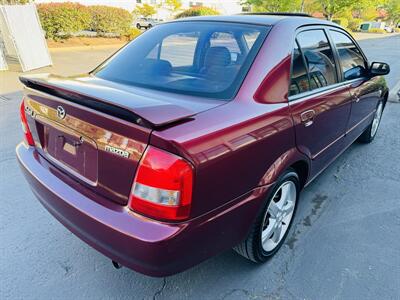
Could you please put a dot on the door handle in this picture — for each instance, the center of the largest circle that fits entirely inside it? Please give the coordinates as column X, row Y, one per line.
column 307, row 117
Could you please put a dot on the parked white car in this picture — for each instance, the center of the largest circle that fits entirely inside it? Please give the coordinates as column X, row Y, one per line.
column 145, row 23
column 388, row 29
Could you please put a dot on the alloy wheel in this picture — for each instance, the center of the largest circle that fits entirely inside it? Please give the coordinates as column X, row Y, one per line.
column 377, row 119
column 278, row 216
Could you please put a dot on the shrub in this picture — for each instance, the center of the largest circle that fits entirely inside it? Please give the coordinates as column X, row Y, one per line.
column 376, row 30
column 397, row 30
column 63, row 18
column 354, row 24
column 341, row 21
column 107, row 19
column 132, row 33
column 197, row 11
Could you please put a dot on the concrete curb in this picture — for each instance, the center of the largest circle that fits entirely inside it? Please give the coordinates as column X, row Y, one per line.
column 360, row 36
column 394, row 93
column 86, row 48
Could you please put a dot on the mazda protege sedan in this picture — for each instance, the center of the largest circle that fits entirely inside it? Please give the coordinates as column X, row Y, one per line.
column 198, row 136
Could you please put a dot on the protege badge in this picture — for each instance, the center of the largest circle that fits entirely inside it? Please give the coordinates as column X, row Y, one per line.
column 117, row 151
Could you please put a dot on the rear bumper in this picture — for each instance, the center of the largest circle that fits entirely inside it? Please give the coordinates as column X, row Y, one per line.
column 144, row 245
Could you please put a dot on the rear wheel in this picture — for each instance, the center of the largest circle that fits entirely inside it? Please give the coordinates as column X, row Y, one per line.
column 369, row 134
column 272, row 225
column 149, row 26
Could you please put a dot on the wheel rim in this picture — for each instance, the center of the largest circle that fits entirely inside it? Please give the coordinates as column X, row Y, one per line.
column 377, row 119
column 278, row 216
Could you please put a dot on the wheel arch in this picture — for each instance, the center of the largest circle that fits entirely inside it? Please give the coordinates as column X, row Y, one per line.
column 302, row 169
column 290, row 159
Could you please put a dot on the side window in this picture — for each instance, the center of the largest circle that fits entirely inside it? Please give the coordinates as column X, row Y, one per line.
column 228, row 41
column 318, row 55
column 250, row 38
column 299, row 79
column 351, row 59
column 179, row 49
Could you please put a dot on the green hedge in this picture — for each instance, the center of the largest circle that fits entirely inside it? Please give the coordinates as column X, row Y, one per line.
column 106, row 19
column 376, row 30
column 354, row 24
column 132, row 33
column 341, row 21
column 63, row 18
column 197, row 11
column 68, row 18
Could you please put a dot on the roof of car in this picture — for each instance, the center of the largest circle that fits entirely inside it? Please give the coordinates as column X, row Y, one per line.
column 261, row 19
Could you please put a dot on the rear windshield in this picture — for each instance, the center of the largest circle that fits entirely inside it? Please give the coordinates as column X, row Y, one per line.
column 208, row 59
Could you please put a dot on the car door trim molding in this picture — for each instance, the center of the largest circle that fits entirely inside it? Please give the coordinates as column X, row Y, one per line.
column 320, row 91
column 328, row 146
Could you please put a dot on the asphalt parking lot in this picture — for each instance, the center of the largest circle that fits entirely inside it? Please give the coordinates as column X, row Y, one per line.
column 344, row 243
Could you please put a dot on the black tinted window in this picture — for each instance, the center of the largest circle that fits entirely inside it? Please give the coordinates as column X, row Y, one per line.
column 319, row 58
column 351, row 60
column 299, row 79
column 207, row 59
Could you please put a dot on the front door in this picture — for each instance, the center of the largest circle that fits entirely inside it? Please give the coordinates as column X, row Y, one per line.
column 365, row 95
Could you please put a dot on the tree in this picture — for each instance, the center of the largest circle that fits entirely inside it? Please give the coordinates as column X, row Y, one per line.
column 392, row 8
column 366, row 9
column 173, row 5
column 274, row 5
column 146, row 10
column 15, row 1
column 330, row 8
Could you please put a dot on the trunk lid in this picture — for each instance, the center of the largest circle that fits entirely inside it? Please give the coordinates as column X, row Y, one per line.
column 97, row 131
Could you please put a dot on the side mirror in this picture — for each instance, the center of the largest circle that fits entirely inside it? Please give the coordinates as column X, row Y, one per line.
column 379, row 68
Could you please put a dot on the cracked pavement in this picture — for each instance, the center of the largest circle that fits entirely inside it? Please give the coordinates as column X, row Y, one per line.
column 344, row 243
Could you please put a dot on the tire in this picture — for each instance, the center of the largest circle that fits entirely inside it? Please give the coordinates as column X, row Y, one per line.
column 252, row 247
column 149, row 26
column 138, row 26
column 370, row 132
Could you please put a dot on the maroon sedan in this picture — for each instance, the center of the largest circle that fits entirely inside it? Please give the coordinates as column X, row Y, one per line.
column 198, row 136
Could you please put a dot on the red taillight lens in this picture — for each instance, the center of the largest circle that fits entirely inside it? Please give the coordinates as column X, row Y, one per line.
column 163, row 186
column 25, row 127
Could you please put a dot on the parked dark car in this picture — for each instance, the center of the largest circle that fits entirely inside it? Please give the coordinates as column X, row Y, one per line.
column 198, row 136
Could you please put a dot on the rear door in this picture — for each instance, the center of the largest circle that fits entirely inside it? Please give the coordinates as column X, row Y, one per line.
column 364, row 92
column 320, row 105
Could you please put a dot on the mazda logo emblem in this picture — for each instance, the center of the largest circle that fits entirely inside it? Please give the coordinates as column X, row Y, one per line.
column 61, row 112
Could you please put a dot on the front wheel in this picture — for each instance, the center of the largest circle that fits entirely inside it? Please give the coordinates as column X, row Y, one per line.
column 272, row 225
column 369, row 134
column 138, row 26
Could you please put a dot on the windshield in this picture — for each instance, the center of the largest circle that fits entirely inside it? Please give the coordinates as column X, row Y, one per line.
column 208, row 59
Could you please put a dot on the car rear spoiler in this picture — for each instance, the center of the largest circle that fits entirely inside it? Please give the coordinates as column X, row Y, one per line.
column 130, row 107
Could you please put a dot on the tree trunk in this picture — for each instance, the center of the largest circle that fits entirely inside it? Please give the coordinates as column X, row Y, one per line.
column 302, row 6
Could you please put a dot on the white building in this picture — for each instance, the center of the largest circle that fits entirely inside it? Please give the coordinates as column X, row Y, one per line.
column 225, row 7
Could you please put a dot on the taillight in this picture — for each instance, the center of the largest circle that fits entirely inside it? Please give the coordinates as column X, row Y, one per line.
column 163, row 185
column 27, row 133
